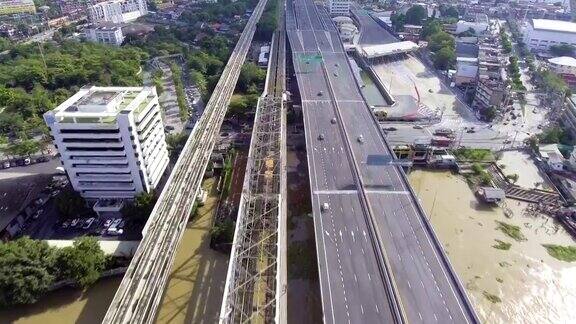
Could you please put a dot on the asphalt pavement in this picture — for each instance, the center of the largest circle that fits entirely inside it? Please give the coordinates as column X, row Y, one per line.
column 372, row 213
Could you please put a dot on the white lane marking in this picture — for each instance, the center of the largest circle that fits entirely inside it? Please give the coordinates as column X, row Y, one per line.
column 335, row 192
column 387, row 192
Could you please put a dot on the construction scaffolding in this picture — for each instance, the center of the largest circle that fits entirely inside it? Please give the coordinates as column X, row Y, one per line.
column 255, row 286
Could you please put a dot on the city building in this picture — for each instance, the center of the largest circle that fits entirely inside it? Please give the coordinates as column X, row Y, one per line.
column 491, row 195
column 565, row 67
column 489, row 92
column 8, row 7
column 540, row 34
column 466, row 74
column 339, row 7
column 104, row 33
column 568, row 115
column 111, row 141
column 491, row 84
column 117, row 11
column 72, row 8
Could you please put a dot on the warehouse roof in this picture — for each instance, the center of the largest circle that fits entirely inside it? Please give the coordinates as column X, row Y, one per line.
column 563, row 60
column 372, row 51
column 554, row 25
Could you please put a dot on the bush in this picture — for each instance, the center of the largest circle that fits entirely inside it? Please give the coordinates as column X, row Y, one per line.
column 83, row 262
column 71, row 205
column 26, row 271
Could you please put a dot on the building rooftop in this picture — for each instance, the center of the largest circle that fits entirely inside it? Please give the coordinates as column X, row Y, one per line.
column 466, row 49
column 492, row 193
column 371, row 51
column 467, row 71
column 92, row 104
column 563, row 60
column 554, row 25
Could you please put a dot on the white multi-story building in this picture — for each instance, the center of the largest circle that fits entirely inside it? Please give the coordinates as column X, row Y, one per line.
column 111, row 141
column 540, row 34
column 339, row 7
column 117, row 11
column 106, row 33
column 563, row 65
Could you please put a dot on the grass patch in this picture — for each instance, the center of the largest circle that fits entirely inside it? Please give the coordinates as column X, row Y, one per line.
column 491, row 297
column 501, row 245
column 470, row 154
column 562, row 253
column 511, row 231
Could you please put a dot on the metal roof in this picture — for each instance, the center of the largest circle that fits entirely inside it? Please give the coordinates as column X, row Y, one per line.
column 563, row 60
column 554, row 25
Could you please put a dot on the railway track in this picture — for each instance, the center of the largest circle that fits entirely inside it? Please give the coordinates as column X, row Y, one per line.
column 141, row 289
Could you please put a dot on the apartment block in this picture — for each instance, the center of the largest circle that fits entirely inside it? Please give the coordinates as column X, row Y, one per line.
column 111, row 141
column 117, row 11
column 110, row 34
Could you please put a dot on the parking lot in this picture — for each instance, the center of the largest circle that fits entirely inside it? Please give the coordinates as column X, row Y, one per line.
column 28, row 206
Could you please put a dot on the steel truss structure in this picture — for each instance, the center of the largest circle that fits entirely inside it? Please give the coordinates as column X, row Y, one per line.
column 255, row 285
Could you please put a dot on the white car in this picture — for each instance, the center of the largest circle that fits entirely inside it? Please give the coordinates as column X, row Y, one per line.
column 324, row 207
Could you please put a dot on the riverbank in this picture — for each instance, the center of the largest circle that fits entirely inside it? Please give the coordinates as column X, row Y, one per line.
column 504, row 285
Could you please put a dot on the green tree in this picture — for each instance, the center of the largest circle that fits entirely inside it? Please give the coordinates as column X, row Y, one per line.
column 431, row 27
column 250, row 75
column 26, row 270
column 71, row 205
column 562, row 50
column 416, row 15
column 176, row 142
column 199, row 81
column 449, row 11
column 83, row 262
column 398, row 21
column 444, row 58
column 489, row 113
column 23, row 148
column 140, row 209
column 440, row 40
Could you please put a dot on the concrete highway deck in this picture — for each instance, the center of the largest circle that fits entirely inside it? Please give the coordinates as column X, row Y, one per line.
column 373, row 216
column 371, row 33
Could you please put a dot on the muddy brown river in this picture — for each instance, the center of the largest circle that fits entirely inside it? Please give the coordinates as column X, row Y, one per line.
column 533, row 287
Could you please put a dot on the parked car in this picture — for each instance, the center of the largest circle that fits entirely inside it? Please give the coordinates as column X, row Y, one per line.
column 6, row 164
column 37, row 213
column 88, row 223
column 390, row 129
column 42, row 159
column 113, row 229
column 108, row 222
column 418, row 127
column 65, row 224
column 74, row 222
column 27, row 161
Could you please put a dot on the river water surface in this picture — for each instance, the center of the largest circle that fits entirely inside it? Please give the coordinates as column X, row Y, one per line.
column 533, row 286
